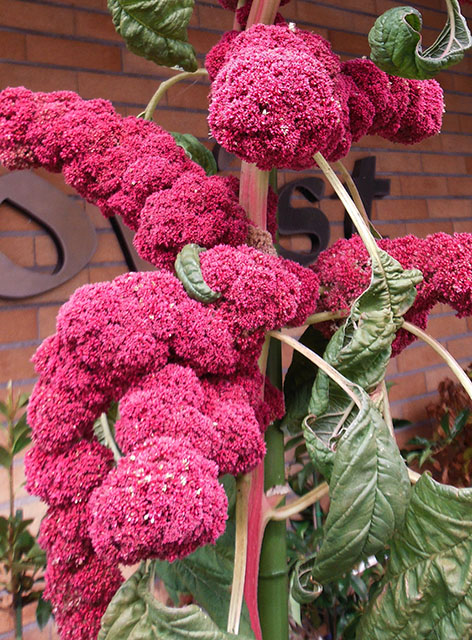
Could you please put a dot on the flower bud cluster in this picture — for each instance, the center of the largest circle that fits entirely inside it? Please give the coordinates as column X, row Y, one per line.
column 444, row 260
column 280, row 95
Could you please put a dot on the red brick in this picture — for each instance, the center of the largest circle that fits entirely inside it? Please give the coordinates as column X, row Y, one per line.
column 390, row 230
column 407, row 386
column 71, row 53
column 47, row 320
column 400, row 161
column 465, row 123
column 455, row 142
column 12, row 45
column 202, row 41
column 417, row 357
column 102, row 274
column 450, row 208
column 446, row 326
column 333, row 18
column 413, row 410
column 37, row 17
column 401, row 209
column 17, row 325
column 462, row 227
column 435, row 163
column 461, row 348
column 423, row 186
column 215, row 18
column 124, row 89
column 136, row 64
column 355, row 45
column 19, row 249
column 423, row 229
column 12, row 219
column 451, row 122
column 459, row 186
column 189, row 95
column 437, row 375
column 183, row 122
column 61, row 293
column 95, row 25
column 45, row 251
column 37, row 78
column 108, row 249
column 15, row 364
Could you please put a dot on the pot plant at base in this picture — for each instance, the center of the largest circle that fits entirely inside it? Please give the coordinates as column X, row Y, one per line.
column 187, row 477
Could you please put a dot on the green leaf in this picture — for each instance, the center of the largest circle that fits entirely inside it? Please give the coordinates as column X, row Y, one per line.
column 43, row 612
column 426, row 593
column 156, row 30
column 361, row 348
column 460, row 422
column 189, row 272
column 21, row 427
column 299, row 380
column 303, row 589
column 369, row 489
column 135, row 614
column 196, row 151
column 21, row 443
column 5, row 458
column 4, row 409
column 395, row 42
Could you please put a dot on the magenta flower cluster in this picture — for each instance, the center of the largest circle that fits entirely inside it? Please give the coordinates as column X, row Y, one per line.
column 125, row 166
column 280, row 95
column 444, row 260
column 193, row 406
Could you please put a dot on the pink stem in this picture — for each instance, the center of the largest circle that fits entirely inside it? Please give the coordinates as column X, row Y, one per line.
column 263, row 11
column 253, row 193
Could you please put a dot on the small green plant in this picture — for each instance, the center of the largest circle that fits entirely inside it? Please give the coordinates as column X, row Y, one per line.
column 21, row 558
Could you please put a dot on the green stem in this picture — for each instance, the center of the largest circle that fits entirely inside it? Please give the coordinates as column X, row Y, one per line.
column 349, row 205
column 445, row 355
column 273, row 570
column 165, row 86
column 18, row 614
column 110, row 440
column 243, row 486
column 387, row 414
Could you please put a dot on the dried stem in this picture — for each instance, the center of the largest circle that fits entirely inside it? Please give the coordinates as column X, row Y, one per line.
column 387, row 414
column 320, row 363
column 243, row 486
column 356, row 217
column 445, row 355
column 110, row 440
column 282, row 513
column 326, row 316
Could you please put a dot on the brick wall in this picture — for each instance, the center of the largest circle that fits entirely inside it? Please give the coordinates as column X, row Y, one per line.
column 52, row 44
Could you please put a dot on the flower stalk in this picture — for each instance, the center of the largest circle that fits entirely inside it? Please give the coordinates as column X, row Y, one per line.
column 165, row 86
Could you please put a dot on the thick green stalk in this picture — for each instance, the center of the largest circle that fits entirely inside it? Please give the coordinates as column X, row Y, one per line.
column 273, row 579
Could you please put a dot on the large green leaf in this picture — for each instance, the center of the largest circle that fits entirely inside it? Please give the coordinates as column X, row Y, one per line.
column 156, row 30
column 369, row 489
column 134, row 614
column 196, row 151
column 426, row 593
column 299, row 381
column 395, row 42
column 361, row 348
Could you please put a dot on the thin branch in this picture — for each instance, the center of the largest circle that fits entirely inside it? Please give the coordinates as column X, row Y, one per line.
column 165, row 86
column 320, row 363
column 110, row 440
column 350, row 207
column 243, row 486
column 387, row 414
column 414, row 477
column 445, row 355
column 289, row 510
column 326, row 316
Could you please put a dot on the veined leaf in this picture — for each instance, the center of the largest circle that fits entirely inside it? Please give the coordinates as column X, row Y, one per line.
column 156, row 30
column 196, row 151
column 362, row 347
column 426, row 593
column 369, row 489
column 134, row 613
column 395, row 42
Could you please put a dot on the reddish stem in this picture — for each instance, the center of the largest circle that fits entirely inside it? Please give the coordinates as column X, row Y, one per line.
column 263, row 11
column 253, row 193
